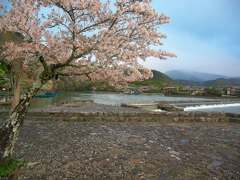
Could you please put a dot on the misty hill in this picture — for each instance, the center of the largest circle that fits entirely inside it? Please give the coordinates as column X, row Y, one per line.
column 187, row 82
column 197, row 77
column 222, row 82
column 180, row 75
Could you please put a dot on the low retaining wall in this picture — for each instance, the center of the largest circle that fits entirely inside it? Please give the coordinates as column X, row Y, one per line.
column 129, row 117
column 72, row 102
column 153, row 106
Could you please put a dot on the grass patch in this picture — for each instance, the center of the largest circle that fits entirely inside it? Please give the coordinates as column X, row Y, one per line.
column 8, row 166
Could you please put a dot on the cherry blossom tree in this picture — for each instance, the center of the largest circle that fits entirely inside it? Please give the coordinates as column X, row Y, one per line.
column 90, row 39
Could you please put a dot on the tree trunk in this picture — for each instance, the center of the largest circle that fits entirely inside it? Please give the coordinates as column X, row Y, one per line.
column 17, row 91
column 12, row 79
column 10, row 129
column 9, row 133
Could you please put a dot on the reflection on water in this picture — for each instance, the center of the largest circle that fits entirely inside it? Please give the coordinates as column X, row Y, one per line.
column 42, row 102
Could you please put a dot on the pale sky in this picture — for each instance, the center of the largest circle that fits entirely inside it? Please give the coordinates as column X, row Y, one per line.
column 205, row 35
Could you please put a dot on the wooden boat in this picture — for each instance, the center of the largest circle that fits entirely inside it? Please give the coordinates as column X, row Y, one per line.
column 6, row 98
column 55, row 94
column 135, row 93
column 47, row 95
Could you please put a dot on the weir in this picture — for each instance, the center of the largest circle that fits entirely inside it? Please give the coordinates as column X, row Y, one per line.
column 209, row 106
column 153, row 106
column 181, row 105
column 143, row 105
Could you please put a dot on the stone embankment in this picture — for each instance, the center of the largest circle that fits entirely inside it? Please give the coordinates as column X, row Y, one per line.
column 92, row 112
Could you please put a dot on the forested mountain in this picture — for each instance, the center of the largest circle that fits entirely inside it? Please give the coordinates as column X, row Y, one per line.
column 222, row 82
column 159, row 76
column 158, row 79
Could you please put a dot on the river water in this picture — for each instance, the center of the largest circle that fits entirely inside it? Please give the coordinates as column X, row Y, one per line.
column 117, row 99
column 105, row 98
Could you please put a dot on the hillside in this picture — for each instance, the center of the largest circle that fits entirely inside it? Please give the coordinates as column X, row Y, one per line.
column 158, row 80
column 161, row 76
column 9, row 36
column 222, row 82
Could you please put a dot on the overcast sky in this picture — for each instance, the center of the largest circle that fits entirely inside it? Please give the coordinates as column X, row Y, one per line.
column 205, row 35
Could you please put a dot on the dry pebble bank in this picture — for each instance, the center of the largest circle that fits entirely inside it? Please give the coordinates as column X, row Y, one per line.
column 128, row 150
column 161, row 151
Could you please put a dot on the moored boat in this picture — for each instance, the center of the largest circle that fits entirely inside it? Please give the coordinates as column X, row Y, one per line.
column 47, row 95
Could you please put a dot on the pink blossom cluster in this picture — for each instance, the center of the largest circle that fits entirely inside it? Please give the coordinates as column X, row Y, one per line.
column 85, row 37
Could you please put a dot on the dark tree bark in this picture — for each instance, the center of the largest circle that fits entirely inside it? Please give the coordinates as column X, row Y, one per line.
column 9, row 132
column 10, row 129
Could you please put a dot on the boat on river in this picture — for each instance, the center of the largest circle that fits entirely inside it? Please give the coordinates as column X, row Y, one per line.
column 6, row 98
column 47, row 95
column 134, row 93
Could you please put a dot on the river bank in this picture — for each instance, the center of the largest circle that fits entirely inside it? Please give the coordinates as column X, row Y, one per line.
column 155, row 151
column 94, row 149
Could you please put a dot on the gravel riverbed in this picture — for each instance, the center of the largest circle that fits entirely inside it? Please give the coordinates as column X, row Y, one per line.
column 128, row 150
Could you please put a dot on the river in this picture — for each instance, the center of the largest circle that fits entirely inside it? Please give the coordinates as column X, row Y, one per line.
column 117, row 99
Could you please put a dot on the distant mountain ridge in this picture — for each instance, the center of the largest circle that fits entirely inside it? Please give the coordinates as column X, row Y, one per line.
column 222, row 82
column 202, row 79
column 193, row 76
column 180, row 75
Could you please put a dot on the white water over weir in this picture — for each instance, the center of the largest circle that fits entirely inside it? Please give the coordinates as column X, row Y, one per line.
column 184, row 105
column 205, row 106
